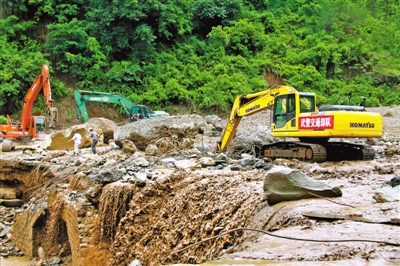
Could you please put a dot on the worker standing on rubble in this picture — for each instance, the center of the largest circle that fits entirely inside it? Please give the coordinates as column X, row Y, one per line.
column 77, row 138
column 95, row 139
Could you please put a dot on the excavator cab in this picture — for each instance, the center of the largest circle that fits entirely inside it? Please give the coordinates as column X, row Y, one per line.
column 139, row 112
column 37, row 126
column 40, row 124
column 279, row 117
column 287, row 107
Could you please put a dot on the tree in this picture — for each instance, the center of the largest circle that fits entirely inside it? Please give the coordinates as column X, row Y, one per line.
column 211, row 13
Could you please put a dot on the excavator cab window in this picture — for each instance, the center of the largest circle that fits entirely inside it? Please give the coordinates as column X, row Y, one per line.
column 291, row 109
column 39, row 120
column 307, row 103
column 280, row 109
column 146, row 112
column 284, row 109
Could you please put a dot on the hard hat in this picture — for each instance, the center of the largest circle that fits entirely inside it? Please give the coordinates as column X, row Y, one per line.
column 90, row 129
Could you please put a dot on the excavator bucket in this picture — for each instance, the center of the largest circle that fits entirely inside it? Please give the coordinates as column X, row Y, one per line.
column 52, row 117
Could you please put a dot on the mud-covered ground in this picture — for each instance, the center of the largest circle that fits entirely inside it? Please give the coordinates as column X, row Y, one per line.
column 357, row 180
column 189, row 208
column 185, row 208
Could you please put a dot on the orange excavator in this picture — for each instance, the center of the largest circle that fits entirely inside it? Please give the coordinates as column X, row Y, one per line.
column 30, row 126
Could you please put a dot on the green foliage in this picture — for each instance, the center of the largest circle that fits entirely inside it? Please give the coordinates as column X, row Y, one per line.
column 20, row 63
column 246, row 38
column 211, row 13
column 14, row 30
column 3, row 120
column 59, row 89
column 213, row 9
column 343, row 16
column 75, row 49
column 258, row 4
column 131, row 28
column 61, row 12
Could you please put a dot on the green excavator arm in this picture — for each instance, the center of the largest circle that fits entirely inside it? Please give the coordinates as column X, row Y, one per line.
column 82, row 96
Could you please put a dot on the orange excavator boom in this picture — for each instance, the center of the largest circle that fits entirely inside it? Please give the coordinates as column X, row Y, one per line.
column 42, row 81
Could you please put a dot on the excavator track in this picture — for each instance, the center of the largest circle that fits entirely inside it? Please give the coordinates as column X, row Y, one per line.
column 340, row 151
column 295, row 150
column 327, row 151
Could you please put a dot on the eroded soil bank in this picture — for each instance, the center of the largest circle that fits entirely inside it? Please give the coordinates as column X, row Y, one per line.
column 152, row 223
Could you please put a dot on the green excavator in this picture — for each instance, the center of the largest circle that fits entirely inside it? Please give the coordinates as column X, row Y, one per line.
column 134, row 111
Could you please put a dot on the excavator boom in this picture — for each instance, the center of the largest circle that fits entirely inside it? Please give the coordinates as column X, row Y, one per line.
column 42, row 81
column 82, row 96
column 249, row 105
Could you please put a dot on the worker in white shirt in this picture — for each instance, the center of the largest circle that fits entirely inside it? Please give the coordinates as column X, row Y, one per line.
column 77, row 138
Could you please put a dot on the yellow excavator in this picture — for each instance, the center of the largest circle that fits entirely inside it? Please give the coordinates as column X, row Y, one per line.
column 296, row 115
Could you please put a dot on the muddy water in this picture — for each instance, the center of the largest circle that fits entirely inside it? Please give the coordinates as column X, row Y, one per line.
column 16, row 261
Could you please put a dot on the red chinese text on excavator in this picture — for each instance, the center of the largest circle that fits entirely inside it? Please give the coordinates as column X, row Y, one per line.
column 31, row 126
column 295, row 115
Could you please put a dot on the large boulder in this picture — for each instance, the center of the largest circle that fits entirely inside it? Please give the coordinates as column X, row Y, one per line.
column 107, row 126
column 285, row 184
column 148, row 131
column 215, row 121
column 61, row 140
column 387, row 193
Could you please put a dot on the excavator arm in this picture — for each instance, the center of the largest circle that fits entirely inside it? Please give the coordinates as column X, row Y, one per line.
column 249, row 105
column 82, row 96
column 41, row 82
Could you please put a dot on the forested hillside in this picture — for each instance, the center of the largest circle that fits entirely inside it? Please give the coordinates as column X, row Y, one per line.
column 201, row 53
